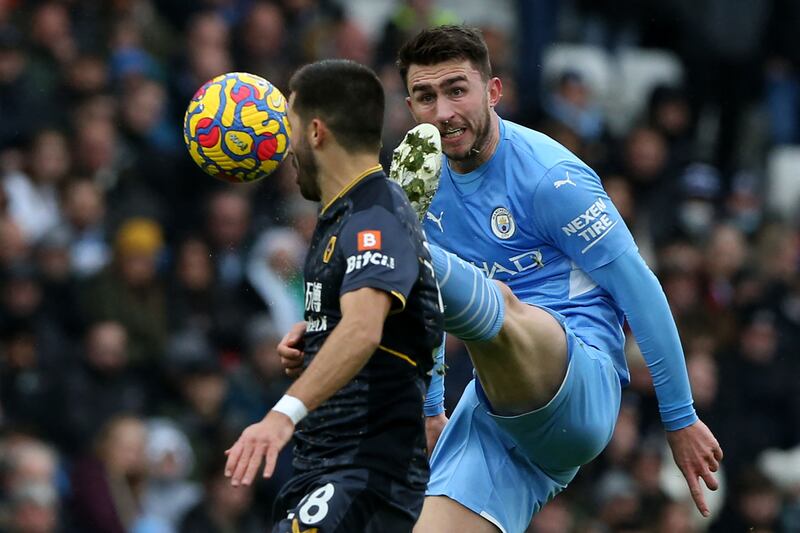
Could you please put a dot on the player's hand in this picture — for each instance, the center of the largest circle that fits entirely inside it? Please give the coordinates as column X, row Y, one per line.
column 697, row 453
column 290, row 349
column 262, row 439
column 434, row 425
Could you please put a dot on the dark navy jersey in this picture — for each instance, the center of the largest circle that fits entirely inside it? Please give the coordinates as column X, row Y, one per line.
column 370, row 237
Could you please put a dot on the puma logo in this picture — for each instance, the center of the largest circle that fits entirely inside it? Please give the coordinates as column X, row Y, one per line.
column 437, row 221
column 559, row 183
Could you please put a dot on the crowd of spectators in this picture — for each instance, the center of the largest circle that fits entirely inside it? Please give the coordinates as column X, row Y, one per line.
column 141, row 301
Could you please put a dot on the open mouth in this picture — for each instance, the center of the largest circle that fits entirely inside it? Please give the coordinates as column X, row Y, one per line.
column 453, row 133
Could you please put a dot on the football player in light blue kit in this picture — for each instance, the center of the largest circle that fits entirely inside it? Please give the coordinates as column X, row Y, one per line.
column 546, row 337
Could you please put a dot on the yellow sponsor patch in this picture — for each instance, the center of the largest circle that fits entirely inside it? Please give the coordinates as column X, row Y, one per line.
column 326, row 255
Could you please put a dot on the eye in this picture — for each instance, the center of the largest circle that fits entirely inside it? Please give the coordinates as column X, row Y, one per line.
column 457, row 91
column 426, row 98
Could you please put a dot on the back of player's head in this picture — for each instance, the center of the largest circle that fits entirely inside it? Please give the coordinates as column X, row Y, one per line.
column 445, row 43
column 347, row 96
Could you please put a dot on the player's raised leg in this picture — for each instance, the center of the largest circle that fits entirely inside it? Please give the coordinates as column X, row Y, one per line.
column 519, row 351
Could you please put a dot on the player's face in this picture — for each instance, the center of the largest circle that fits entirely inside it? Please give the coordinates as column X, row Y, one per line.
column 454, row 97
column 303, row 158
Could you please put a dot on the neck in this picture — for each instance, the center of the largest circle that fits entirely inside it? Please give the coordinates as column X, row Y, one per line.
column 338, row 169
column 486, row 151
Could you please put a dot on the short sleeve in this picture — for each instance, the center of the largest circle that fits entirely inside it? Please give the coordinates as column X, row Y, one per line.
column 573, row 213
column 378, row 253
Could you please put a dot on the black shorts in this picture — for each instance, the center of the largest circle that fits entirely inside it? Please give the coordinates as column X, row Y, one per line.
column 346, row 501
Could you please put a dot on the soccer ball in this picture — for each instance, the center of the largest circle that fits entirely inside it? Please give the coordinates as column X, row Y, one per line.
column 236, row 128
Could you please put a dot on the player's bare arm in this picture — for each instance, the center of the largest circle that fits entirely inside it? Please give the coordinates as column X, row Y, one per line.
column 347, row 349
column 341, row 357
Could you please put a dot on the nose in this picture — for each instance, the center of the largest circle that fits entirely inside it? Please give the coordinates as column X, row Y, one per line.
column 444, row 112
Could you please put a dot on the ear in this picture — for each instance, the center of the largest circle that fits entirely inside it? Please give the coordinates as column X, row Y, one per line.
column 317, row 133
column 495, row 91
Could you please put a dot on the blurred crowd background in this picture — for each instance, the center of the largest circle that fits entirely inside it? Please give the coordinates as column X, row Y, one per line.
column 141, row 300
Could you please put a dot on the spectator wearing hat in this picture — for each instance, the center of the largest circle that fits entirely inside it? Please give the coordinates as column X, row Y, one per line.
column 129, row 290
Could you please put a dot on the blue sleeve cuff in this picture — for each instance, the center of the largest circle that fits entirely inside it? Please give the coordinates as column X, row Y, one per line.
column 434, row 399
column 682, row 420
column 433, row 410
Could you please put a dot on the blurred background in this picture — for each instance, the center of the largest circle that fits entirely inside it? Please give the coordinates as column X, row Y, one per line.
column 141, row 300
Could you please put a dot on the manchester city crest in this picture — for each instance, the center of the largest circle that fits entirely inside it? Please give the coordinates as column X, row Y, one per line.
column 503, row 225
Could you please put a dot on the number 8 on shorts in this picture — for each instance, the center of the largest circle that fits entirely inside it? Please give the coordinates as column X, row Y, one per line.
column 313, row 508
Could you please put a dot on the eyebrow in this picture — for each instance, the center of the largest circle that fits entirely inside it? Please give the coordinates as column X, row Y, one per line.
column 445, row 83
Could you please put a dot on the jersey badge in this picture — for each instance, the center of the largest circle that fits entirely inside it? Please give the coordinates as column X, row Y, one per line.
column 326, row 255
column 503, row 225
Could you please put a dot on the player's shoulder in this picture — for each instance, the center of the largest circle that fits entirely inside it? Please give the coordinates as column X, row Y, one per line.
column 374, row 191
column 379, row 197
column 536, row 155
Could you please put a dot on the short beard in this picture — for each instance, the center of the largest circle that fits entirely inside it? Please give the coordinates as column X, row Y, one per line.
column 477, row 146
column 308, row 174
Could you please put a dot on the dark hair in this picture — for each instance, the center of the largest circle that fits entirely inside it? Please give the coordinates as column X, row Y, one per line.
column 347, row 96
column 443, row 43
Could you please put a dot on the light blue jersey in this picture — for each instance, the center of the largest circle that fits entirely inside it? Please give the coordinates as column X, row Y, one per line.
column 537, row 218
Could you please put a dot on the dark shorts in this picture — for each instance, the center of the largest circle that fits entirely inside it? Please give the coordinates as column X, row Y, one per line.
column 346, row 501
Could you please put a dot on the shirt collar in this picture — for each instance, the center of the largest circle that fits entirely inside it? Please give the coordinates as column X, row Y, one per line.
column 358, row 179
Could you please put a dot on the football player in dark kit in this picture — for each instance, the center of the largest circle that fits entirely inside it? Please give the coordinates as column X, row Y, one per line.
column 372, row 321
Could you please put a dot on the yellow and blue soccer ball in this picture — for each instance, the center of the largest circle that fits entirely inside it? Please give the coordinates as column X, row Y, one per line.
column 236, row 128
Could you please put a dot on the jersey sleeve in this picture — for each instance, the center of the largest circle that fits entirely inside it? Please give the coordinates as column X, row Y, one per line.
column 378, row 253
column 637, row 291
column 573, row 213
